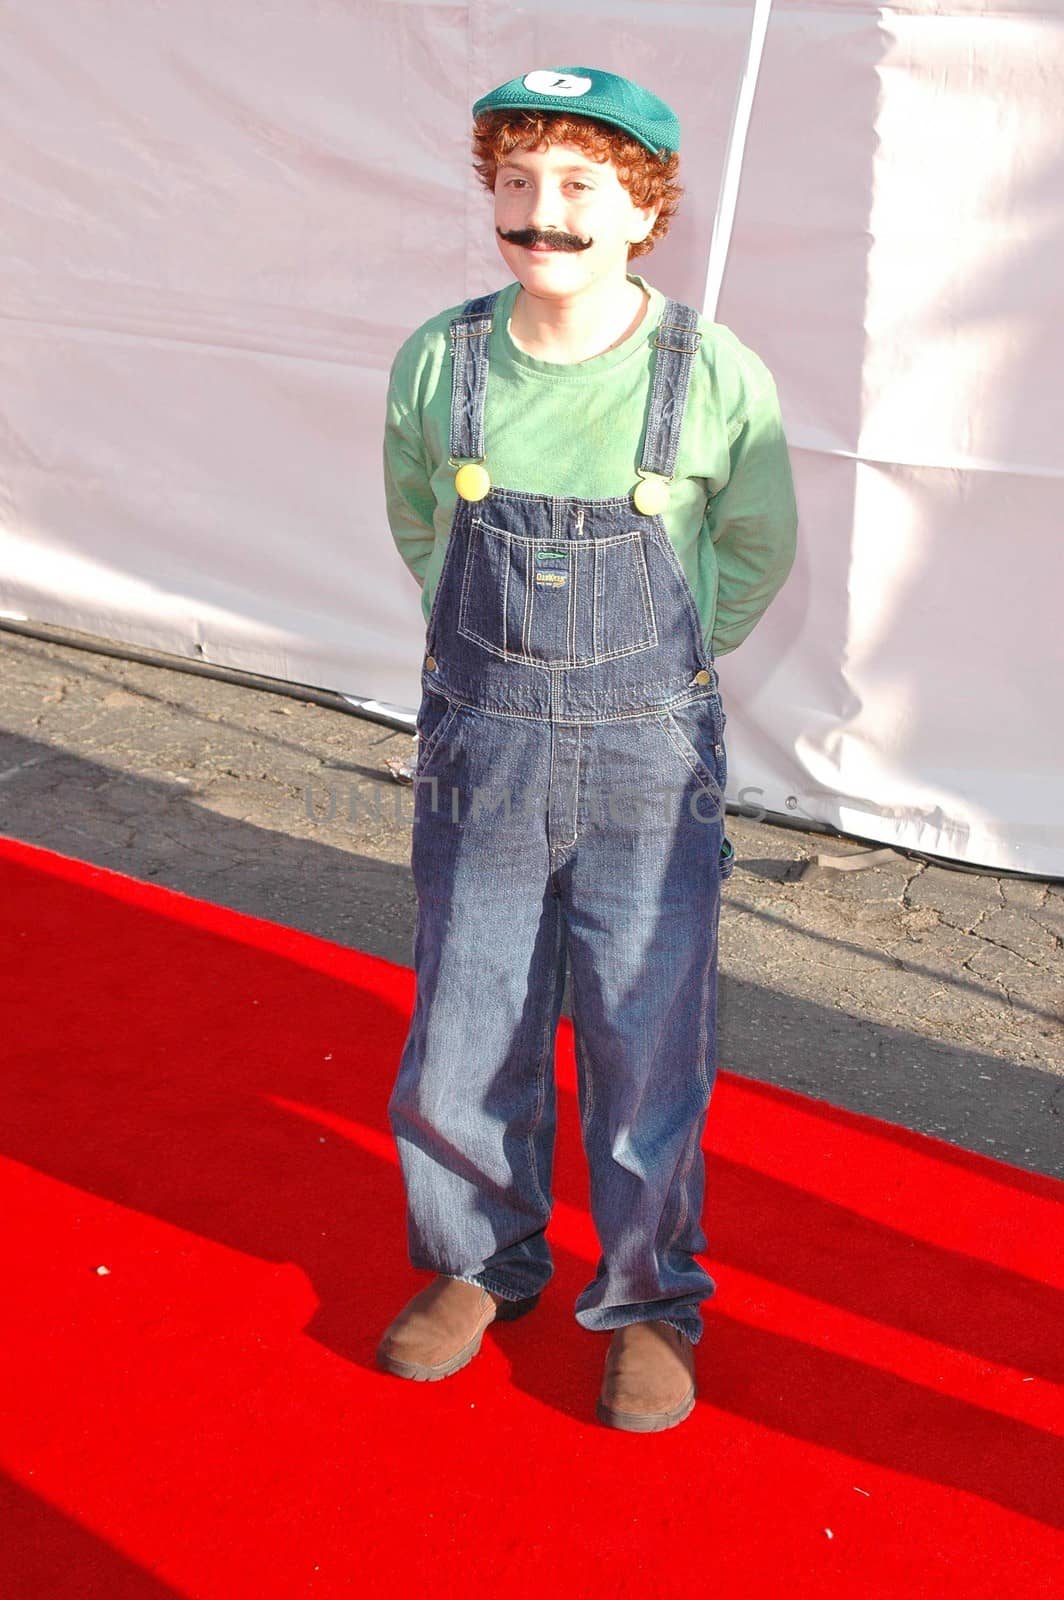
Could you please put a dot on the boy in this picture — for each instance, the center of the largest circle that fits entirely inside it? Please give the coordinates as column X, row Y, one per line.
column 593, row 487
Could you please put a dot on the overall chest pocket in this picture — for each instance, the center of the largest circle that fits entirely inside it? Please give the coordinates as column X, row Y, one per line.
column 556, row 603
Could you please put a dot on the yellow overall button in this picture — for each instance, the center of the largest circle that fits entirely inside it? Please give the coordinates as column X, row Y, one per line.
column 430, row 663
column 651, row 496
column 472, row 481
column 702, row 676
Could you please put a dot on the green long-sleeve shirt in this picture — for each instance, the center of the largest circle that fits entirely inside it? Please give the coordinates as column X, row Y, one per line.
column 576, row 430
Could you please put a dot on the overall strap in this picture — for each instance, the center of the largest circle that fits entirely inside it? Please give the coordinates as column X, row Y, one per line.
column 470, row 332
column 675, row 344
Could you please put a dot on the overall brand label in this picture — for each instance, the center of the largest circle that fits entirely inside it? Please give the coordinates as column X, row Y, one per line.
column 552, row 569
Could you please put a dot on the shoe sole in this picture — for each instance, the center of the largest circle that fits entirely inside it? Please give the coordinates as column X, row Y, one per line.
column 646, row 1421
column 507, row 1311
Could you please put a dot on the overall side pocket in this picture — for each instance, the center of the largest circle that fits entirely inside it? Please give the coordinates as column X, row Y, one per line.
column 433, row 720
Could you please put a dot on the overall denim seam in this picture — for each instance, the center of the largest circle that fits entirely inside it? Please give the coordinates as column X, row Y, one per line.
column 570, row 617
column 550, row 787
column 505, row 619
column 529, row 612
column 575, row 544
column 567, row 844
column 685, row 1199
column 622, row 502
column 681, row 701
column 554, row 663
column 587, row 1111
column 417, row 923
column 648, row 601
column 467, row 574
column 570, row 643
column 597, row 590
column 703, row 1010
column 604, row 541
column 546, row 1051
column 646, row 712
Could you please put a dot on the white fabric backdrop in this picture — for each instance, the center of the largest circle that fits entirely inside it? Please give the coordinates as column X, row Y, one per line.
column 218, row 223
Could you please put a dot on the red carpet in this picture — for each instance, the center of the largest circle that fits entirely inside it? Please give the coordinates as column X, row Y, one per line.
column 196, row 1100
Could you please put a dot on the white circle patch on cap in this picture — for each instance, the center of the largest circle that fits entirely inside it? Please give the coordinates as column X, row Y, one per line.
column 566, row 84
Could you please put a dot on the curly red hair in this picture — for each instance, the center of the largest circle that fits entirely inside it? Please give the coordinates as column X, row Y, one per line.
column 648, row 178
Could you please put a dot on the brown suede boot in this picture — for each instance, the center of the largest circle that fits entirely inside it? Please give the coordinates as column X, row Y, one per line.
column 439, row 1331
column 649, row 1380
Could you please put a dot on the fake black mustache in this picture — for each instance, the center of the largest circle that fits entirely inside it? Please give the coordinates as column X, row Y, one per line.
column 556, row 241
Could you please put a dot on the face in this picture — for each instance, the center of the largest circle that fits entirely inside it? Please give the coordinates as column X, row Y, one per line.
column 560, row 189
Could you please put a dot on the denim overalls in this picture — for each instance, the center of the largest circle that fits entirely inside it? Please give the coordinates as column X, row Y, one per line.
column 568, row 805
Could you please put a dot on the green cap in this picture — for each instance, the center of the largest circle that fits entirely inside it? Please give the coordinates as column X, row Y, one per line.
column 587, row 92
